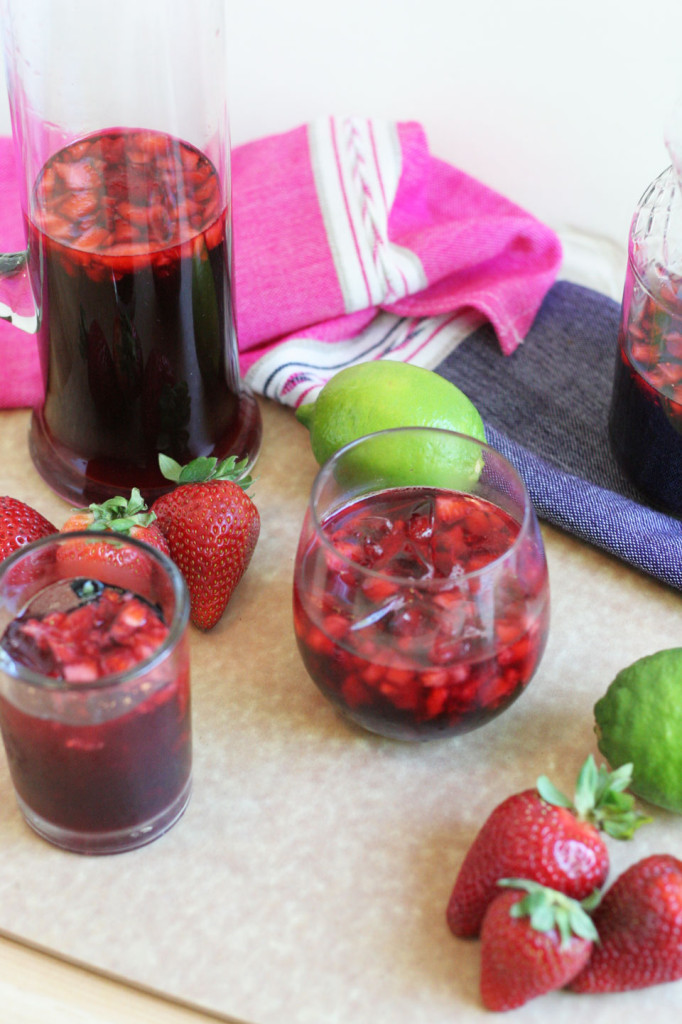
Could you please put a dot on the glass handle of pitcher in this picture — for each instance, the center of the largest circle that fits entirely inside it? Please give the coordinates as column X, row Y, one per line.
column 17, row 304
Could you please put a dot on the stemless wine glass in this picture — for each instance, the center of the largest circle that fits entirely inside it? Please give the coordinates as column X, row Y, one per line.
column 421, row 594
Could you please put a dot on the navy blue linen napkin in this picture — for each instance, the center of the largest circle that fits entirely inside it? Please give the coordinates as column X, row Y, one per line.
column 546, row 408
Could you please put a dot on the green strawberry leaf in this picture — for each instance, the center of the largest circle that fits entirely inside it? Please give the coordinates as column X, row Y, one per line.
column 619, row 779
column 120, row 514
column 230, row 469
column 592, row 901
column 600, row 799
column 198, row 470
column 169, row 467
column 549, row 909
column 551, row 794
column 205, row 468
column 589, row 787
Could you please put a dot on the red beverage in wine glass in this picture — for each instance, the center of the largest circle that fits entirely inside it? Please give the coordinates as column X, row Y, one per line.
column 421, row 611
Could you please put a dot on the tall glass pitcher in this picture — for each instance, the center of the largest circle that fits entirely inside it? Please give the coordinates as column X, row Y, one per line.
column 119, row 118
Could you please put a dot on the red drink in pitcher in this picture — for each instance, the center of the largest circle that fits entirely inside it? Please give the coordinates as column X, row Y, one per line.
column 421, row 612
column 128, row 250
column 645, row 419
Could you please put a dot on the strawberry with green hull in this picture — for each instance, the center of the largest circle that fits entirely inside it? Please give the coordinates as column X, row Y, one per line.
column 212, row 528
column 19, row 525
column 124, row 517
column 541, row 835
column 639, row 922
column 533, row 940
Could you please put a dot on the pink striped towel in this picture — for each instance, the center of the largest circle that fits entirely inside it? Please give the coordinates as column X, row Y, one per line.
column 351, row 243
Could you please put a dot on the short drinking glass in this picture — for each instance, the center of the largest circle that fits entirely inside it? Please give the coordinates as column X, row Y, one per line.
column 94, row 690
column 421, row 596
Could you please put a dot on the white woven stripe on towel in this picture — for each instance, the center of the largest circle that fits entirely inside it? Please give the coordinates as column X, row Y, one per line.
column 295, row 371
column 357, row 165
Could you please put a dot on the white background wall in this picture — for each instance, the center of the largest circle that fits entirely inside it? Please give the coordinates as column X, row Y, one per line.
column 560, row 105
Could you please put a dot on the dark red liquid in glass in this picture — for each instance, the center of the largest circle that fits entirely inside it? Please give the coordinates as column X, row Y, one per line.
column 415, row 662
column 97, row 776
column 128, row 252
column 645, row 423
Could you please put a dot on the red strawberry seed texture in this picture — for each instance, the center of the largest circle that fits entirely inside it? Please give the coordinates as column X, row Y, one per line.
column 116, row 517
column 19, row 525
column 541, row 835
column 639, row 922
column 520, row 961
column 212, row 528
column 525, row 837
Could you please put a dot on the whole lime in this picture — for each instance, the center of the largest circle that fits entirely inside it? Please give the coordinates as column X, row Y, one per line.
column 381, row 394
column 639, row 720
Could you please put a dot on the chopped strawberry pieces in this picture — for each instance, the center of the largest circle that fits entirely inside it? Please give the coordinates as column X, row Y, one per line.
column 110, row 633
column 128, row 193
column 653, row 339
column 85, row 671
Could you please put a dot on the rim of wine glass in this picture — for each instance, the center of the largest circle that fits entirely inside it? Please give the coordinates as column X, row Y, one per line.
column 431, row 583
column 11, row 667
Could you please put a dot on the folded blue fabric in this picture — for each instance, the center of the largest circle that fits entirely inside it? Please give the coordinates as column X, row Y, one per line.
column 546, row 408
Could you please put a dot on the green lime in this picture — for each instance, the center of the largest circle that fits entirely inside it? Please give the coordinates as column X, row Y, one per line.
column 377, row 395
column 639, row 720
column 382, row 395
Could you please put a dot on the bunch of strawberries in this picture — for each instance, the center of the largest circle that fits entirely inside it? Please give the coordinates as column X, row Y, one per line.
column 530, row 887
column 207, row 524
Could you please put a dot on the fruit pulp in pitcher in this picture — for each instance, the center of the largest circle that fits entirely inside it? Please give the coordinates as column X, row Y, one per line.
column 128, row 248
column 430, row 658
column 96, row 758
column 645, row 421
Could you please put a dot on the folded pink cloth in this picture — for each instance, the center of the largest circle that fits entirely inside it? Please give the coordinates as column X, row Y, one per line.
column 351, row 242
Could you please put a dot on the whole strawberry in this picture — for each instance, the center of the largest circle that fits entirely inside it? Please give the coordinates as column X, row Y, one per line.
column 212, row 527
column 541, row 835
column 19, row 525
column 533, row 940
column 126, row 517
column 639, row 922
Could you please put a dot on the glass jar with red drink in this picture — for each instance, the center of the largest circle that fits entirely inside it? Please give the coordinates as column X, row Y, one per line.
column 645, row 422
column 123, row 159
